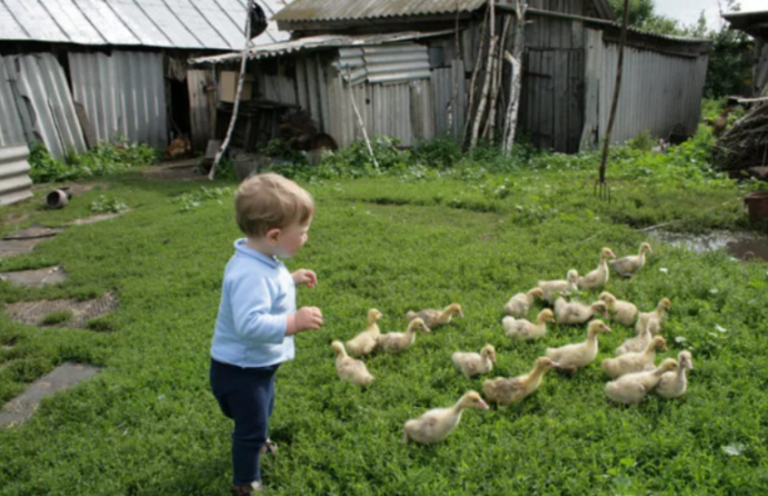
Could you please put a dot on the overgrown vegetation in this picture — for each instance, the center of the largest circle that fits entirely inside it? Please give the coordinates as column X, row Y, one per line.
column 427, row 228
column 99, row 161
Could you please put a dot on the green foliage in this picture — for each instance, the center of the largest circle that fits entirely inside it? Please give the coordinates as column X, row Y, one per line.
column 642, row 15
column 58, row 317
column 731, row 63
column 440, row 153
column 642, row 142
column 99, row 161
column 191, row 200
column 103, row 205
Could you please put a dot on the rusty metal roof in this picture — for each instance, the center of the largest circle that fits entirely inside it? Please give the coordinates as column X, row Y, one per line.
column 190, row 24
column 331, row 10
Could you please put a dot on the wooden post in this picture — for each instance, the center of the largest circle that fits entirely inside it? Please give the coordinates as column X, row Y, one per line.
column 240, row 82
column 490, row 125
column 454, row 104
column 615, row 104
column 360, row 118
column 475, row 71
column 488, row 76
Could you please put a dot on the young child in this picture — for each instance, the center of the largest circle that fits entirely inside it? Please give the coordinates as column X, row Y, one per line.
column 257, row 315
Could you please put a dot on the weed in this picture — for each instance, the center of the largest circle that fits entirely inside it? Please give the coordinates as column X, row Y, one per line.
column 58, row 317
column 104, row 204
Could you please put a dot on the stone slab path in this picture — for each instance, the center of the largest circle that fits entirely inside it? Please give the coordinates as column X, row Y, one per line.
column 63, row 377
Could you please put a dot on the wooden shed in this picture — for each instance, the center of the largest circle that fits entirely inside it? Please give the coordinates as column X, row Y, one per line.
column 569, row 69
column 755, row 24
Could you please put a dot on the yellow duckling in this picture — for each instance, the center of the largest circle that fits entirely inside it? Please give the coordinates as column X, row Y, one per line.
column 577, row 355
column 472, row 364
column 632, row 388
column 674, row 385
column 578, row 313
column 639, row 342
column 634, row 361
column 507, row 391
column 518, row 305
column 437, row 424
column 598, row 278
column 629, row 266
column 624, row 312
column 350, row 369
column 435, row 318
column 365, row 342
column 524, row 329
column 552, row 289
column 659, row 314
column 396, row 342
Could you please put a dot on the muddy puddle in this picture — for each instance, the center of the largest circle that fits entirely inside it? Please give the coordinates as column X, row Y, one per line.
column 743, row 246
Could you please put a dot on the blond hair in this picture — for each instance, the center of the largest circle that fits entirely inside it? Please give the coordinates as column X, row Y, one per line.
column 269, row 201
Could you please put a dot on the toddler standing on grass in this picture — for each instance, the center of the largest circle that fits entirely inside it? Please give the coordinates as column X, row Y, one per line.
column 257, row 315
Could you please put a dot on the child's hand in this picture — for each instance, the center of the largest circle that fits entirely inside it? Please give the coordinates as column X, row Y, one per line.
column 308, row 318
column 305, row 276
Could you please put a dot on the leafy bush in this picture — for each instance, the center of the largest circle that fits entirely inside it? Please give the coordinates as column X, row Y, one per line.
column 99, row 161
column 441, row 153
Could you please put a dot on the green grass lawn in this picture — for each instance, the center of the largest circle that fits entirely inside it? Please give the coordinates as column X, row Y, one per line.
column 148, row 425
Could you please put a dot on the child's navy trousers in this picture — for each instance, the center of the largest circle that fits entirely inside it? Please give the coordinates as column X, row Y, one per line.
column 246, row 395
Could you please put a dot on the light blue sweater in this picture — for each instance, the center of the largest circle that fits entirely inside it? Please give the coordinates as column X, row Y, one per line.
column 257, row 296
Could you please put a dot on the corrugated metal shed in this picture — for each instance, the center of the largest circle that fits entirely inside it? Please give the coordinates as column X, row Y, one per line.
column 43, row 103
column 190, row 24
column 326, row 10
column 320, row 41
column 14, row 174
column 123, row 95
column 659, row 92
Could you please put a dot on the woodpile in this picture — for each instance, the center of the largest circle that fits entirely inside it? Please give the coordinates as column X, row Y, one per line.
column 744, row 146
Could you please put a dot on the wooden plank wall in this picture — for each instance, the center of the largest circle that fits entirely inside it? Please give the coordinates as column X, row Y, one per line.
column 552, row 106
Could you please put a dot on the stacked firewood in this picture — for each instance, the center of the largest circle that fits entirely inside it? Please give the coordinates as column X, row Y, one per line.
column 744, row 145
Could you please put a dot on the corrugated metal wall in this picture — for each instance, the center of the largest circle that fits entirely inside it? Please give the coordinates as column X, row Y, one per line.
column 443, row 88
column 43, row 103
column 123, row 94
column 14, row 174
column 403, row 111
column 11, row 129
column 658, row 91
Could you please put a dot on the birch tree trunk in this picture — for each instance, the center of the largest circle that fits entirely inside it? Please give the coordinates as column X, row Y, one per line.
column 240, row 82
column 490, row 126
column 516, row 79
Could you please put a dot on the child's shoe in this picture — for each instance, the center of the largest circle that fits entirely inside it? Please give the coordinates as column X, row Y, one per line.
column 249, row 490
column 269, row 447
